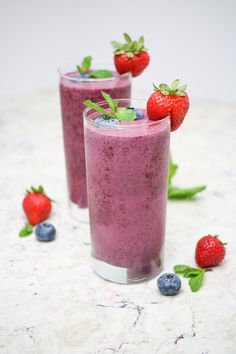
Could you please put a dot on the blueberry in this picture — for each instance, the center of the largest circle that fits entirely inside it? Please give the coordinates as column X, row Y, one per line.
column 139, row 113
column 45, row 232
column 169, row 284
column 103, row 120
column 78, row 75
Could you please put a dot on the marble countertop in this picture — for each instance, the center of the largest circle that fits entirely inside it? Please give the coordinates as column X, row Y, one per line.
column 51, row 301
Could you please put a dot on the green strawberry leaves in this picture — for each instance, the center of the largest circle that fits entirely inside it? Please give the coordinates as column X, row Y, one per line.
column 195, row 275
column 26, row 231
column 123, row 114
column 101, row 74
column 39, row 190
column 130, row 47
column 180, row 193
column 174, row 89
column 85, row 65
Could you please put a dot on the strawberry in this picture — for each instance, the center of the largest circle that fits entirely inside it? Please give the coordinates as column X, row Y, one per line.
column 172, row 101
column 210, row 251
column 131, row 56
column 36, row 205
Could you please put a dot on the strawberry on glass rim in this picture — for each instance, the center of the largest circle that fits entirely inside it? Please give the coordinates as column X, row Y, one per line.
column 131, row 56
column 172, row 101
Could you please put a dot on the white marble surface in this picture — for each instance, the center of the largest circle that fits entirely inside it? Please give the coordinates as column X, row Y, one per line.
column 50, row 300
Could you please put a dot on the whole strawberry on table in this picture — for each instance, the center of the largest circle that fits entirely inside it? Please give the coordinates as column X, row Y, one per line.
column 131, row 56
column 37, row 207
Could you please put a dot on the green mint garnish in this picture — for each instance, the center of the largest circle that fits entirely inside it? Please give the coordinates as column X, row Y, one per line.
column 98, row 108
column 174, row 89
column 195, row 282
column 101, row 74
column 130, row 47
column 85, row 65
column 113, row 105
column 176, row 192
column 126, row 115
column 184, row 193
column 123, row 114
column 172, row 169
column 195, row 275
column 26, row 231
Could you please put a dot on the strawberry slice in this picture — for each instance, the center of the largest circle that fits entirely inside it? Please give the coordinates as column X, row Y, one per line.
column 172, row 101
column 131, row 56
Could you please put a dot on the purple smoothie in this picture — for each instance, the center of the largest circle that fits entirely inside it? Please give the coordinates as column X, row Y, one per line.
column 73, row 93
column 127, row 190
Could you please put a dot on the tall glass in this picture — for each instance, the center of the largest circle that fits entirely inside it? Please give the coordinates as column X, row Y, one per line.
column 127, row 167
column 74, row 90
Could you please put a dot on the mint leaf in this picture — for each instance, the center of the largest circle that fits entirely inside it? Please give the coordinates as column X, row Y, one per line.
column 180, row 268
column 112, row 104
column 192, row 272
column 85, row 65
column 97, row 108
column 196, row 282
column 26, row 231
column 101, row 74
column 196, row 275
column 125, row 115
column 184, row 193
column 172, row 169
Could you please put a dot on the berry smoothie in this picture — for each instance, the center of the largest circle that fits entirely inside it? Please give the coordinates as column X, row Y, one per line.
column 73, row 91
column 127, row 171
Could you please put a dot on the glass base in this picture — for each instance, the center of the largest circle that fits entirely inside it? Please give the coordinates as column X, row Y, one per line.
column 79, row 214
column 126, row 275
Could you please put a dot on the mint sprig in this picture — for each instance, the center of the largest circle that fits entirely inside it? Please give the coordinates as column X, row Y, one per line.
column 26, row 231
column 180, row 193
column 98, row 108
column 101, row 74
column 130, row 47
column 195, row 275
column 85, row 65
column 174, row 89
column 123, row 114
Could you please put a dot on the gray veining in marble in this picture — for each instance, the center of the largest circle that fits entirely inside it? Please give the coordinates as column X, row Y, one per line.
column 51, row 302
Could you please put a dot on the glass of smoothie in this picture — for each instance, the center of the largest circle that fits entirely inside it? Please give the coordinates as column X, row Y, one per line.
column 127, row 168
column 74, row 89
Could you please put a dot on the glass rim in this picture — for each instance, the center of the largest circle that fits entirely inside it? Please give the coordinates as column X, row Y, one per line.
column 84, row 79
column 150, row 123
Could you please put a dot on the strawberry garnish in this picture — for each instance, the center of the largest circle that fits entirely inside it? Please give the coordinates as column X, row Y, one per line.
column 210, row 251
column 36, row 205
column 131, row 56
column 172, row 101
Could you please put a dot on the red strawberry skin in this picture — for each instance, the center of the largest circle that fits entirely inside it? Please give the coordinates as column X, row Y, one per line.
column 135, row 64
column 209, row 252
column 37, row 207
column 160, row 106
